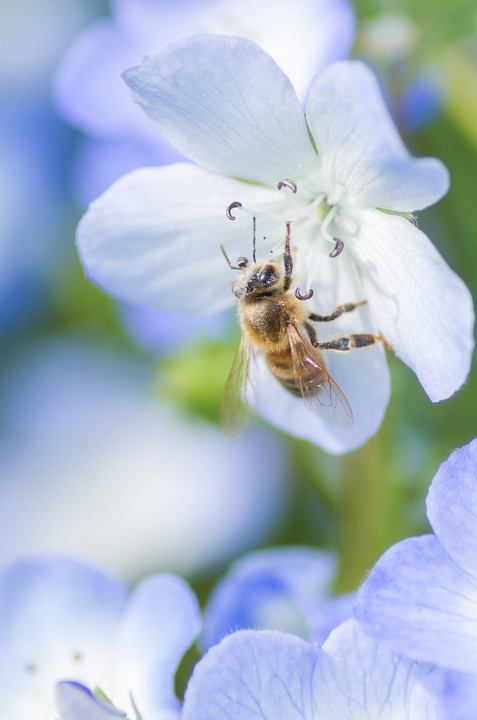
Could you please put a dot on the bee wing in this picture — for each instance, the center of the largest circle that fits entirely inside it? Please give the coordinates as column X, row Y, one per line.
column 324, row 399
column 235, row 412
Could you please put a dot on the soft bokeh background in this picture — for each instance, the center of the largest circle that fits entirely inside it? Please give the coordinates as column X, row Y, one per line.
column 109, row 443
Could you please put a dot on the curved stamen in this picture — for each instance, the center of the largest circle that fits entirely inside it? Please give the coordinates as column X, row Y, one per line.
column 287, row 183
column 326, row 223
column 231, row 207
column 306, row 296
column 338, row 248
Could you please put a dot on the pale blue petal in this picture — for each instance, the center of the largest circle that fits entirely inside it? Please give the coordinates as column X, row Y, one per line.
column 251, row 675
column 452, row 506
column 359, row 679
column 458, row 695
column 335, row 612
column 58, row 618
column 422, row 308
column 63, row 593
column 224, row 103
column 360, row 148
column 154, row 237
column 160, row 623
column 76, row 702
column 421, row 604
column 282, row 588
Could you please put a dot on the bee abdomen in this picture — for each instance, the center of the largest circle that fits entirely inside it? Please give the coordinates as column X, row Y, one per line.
column 281, row 367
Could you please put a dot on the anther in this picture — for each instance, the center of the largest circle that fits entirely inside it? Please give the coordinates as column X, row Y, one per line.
column 287, row 183
column 339, row 245
column 306, row 296
column 231, row 207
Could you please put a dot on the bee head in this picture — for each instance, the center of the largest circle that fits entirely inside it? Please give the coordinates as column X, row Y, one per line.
column 255, row 279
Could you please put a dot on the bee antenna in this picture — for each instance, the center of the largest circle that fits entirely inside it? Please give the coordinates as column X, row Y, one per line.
column 232, row 267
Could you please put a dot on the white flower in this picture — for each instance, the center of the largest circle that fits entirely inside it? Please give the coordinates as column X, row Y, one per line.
column 154, row 237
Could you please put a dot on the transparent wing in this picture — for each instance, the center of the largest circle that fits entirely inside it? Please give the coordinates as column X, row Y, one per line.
column 235, row 412
column 320, row 393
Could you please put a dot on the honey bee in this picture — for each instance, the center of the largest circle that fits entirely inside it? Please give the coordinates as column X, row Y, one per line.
column 276, row 324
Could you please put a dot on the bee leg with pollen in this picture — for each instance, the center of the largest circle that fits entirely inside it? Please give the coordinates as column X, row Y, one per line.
column 348, row 343
column 288, row 259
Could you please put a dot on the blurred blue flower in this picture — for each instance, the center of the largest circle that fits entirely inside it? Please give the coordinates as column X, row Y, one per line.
column 63, row 620
column 276, row 676
column 226, row 104
column 164, row 332
column 421, row 100
column 421, row 596
column 33, row 143
column 92, row 465
column 282, row 588
column 303, row 37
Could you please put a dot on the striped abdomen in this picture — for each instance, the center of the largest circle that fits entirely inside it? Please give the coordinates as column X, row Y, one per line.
column 305, row 381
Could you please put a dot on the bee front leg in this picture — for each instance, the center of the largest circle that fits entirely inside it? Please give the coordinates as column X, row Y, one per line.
column 348, row 343
column 346, row 308
column 288, row 259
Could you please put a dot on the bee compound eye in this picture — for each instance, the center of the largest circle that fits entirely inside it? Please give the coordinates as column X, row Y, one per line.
column 242, row 262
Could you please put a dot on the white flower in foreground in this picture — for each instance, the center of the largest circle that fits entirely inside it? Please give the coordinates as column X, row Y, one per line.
column 154, row 237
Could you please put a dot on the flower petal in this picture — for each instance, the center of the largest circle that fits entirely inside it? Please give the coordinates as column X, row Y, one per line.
column 76, row 702
column 58, row 618
column 302, row 37
column 422, row 308
column 360, row 148
column 421, row 604
column 161, row 621
column 282, row 588
column 458, row 696
column 253, row 674
column 224, row 103
column 356, row 678
column 452, row 506
column 154, row 237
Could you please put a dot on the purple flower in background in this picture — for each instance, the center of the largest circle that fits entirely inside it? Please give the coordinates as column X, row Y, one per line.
column 283, row 588
column 420, row 598
column 303, row 37
column 61, row 620
column 153, row 238
column 276, row 676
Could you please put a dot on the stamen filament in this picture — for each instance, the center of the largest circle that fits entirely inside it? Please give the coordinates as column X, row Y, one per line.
column 327, row 222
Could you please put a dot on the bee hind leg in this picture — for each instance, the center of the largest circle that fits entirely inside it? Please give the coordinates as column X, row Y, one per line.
column 348, row 343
